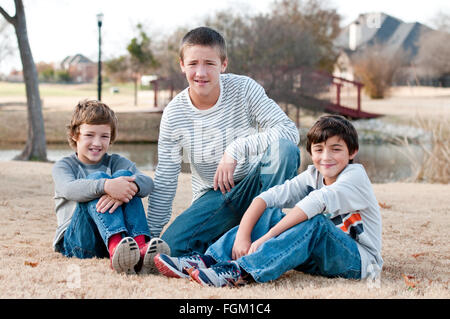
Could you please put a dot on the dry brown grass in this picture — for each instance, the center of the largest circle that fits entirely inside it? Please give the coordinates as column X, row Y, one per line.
column 415, row 245
column 416, row 220
column 434, row 167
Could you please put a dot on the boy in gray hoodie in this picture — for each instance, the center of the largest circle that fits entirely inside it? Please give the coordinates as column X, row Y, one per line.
column 332, row 230
column 98, row 196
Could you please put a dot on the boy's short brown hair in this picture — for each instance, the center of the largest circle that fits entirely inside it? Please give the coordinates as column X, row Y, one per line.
column 91, row 112
column 333, row 125
column 204, row 36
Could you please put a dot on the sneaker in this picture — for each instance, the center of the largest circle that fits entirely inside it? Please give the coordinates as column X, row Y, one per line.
column 150, row 250
column 219, row 275
column 177, row 267
column 125, row 256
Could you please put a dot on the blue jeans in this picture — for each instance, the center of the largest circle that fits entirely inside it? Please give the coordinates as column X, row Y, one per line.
column 89, row 231
column 315, row 246
column 213, row 214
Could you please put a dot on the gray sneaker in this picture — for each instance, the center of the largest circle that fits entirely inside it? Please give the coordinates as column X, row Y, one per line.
column 154, row 247
column 126, row 256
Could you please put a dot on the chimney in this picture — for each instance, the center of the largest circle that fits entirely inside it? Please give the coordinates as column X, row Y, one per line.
column 354, row 37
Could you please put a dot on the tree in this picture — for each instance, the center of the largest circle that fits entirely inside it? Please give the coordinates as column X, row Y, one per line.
column 35, row 147
column 141, row 57
column 376, row 66
column 167, row 54
column 46, row 72
column 118, row 69
column 434, row 49
column 279, row 50
column 316, row 18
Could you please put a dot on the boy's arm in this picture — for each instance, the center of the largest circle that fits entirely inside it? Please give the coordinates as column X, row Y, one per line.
column 273, row 122
column 243, row 240
column 69, row 187
column 281, row 196
column 294, row 217
column 143, row 182
column 290, row 192
column 166, row 178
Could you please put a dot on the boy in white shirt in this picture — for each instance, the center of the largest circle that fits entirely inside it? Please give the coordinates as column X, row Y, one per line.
column 333, row 230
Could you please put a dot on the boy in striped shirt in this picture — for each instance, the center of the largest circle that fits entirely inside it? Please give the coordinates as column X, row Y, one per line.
column 237, row 140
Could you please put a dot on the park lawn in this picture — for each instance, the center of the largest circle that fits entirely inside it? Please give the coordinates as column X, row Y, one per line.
column 9, row 89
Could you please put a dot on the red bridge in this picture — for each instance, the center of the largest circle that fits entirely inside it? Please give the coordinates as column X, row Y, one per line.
column 335, row 105
column 330, row 101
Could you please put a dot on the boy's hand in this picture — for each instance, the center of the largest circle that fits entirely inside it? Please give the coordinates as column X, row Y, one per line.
column 223, row 178
column 121, row 188
column 255, row 245
column 295, row 216
column 240, row 248
column 107, row 202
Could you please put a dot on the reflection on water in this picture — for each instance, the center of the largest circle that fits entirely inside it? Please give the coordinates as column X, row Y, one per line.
column 384, row 163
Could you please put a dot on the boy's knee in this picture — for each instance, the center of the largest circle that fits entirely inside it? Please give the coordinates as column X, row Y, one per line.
column 122, row 172
column 98, row 175
column 177, row 248
column 321, row 221
column 283, row 155
column 287, row 148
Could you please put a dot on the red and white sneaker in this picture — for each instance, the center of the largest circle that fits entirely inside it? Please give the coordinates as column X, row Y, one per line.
column 125, row 256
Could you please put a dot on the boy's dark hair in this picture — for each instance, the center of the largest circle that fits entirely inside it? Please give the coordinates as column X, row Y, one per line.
column 91, row 112
column 333, row 125
column 204, row 36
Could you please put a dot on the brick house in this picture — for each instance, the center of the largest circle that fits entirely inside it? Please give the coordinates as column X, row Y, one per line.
column 80, row 68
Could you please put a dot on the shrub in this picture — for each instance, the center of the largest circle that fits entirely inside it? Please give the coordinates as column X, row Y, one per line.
column 375, row 67
column 435, row 165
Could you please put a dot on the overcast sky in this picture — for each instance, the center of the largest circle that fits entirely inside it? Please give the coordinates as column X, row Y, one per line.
column 58, row 28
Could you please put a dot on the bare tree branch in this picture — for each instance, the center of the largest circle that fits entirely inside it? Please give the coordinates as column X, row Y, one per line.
column 8, row 18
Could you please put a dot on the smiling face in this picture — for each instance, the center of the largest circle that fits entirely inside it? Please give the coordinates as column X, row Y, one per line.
column 92, row 142
column 331, row 157
column 202, row 66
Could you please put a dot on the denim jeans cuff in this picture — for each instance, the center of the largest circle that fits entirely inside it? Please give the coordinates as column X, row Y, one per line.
column 134, row 235
column 241, row 262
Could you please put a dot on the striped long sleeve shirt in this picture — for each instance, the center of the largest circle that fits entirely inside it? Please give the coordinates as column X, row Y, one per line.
column 243, row 122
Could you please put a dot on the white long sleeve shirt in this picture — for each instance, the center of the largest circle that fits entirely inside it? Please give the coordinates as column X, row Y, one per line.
column 349, row 202
column 243, row 122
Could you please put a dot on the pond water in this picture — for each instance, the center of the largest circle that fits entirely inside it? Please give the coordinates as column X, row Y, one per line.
column 384, row 163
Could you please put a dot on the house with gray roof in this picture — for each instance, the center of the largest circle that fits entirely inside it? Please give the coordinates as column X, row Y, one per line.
column 81, row 69
column 392, row 34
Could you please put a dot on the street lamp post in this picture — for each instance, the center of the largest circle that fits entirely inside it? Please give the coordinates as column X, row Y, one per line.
column 99, row 84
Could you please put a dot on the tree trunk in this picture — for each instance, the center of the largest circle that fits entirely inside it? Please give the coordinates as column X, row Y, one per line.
column 136, row 90
column 35, row 147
